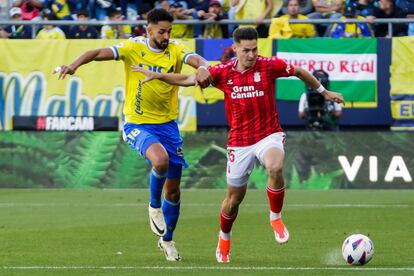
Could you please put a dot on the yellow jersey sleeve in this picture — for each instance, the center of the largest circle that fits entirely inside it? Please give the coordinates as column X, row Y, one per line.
column 122, row 49
column 182, row 52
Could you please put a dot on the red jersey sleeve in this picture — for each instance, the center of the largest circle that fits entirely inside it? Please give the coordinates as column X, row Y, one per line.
column 281, row 68
column 215, row 73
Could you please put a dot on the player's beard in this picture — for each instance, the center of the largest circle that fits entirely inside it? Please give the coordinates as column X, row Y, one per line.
column 162, row 45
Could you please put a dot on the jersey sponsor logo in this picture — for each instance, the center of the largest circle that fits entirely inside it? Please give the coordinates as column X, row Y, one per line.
column 138, row 98
column 243, row 92
column 256, row 76
column 153, row 68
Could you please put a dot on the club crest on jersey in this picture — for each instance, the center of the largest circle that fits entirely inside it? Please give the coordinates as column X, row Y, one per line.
column 256, row 76
column 143, row 54
column 229, row 82
column 168, row 54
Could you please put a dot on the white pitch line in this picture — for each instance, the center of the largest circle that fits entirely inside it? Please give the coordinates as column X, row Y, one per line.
column 305, row 205
column 205, row 268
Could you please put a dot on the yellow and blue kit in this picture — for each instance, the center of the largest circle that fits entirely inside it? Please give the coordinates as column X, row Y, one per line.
column 150, row 109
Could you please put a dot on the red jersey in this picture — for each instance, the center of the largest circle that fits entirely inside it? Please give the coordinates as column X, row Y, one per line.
column 249, row 98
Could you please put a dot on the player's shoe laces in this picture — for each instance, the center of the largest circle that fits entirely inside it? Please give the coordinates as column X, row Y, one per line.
column 223, row 251
column 171, row 253
column 157, row 221
column 281, row 232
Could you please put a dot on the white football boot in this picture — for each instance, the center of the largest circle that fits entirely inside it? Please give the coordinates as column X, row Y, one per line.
column 171, row 253
column 157, row 221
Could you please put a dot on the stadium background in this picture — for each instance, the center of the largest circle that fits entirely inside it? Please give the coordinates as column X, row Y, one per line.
column 93, row 159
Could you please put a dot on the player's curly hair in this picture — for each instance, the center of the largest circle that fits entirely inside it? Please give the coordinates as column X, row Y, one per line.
column 245, row 33
column 157, row 15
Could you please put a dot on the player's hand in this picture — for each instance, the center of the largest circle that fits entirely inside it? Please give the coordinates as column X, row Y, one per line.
column 203, row 77
column 149, row 75
column 64, row 70
column 333, row 96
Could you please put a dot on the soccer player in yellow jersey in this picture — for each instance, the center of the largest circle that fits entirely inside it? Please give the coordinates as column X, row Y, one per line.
column 151, row 110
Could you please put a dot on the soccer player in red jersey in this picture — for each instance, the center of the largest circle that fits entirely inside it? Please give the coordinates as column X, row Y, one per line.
column 248, row 83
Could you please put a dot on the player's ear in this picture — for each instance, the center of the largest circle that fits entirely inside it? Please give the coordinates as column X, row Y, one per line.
column 234, row 47
column 149, row 29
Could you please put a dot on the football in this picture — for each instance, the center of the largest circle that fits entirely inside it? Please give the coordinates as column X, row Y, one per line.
column 357, row 249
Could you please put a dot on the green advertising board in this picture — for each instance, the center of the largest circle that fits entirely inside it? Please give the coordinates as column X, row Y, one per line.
column 314, row 160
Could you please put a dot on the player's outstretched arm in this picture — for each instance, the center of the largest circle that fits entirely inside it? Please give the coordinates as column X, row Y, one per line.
column 174, row 79
column 203, row 76
column 97, row 55
column 311, row 81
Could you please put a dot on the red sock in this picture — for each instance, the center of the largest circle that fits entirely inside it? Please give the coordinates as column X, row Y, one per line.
column 226, row 222
column 276, row 199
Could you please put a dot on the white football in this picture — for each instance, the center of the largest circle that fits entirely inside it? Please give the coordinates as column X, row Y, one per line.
column 357, row 249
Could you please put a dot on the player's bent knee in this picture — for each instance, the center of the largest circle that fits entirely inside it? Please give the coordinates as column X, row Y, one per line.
column 160, row 163
column 275, row 171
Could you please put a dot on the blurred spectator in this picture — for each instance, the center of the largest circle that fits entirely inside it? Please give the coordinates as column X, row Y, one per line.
column 75, row 5
column 83, row 31
column 407, row 6
column 50, row 31
column 100, row 8
column 129, row 6
column 350, row 30
column 215, row 12
column 328, row 9
column 254, row 9
column 16, row 31
column 228, row 54
column 280, row 28
column 305, row 6
column 365, row 7
column 178, row 12
column 30, row 8
column 387, row 9
column 115, row 31
column 318, row 113
column 298, row 30
column 61, row 9
column 195, row 7
column 141, row 30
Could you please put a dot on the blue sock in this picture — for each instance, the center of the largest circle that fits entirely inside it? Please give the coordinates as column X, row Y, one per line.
column 156, row 184
column 171, row 211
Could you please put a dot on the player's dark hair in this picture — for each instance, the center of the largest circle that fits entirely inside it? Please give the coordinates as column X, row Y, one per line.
column 245, row 33
column 157, row 15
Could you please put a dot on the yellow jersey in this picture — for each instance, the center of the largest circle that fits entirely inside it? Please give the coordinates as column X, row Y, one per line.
column 301, row 30
column 54, row 33
column 154, row 102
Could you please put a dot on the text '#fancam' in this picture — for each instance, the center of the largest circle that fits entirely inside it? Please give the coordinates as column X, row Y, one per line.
column 64, row 123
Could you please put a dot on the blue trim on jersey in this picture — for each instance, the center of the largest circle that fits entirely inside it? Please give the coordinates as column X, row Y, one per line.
column 116, row 52
column 141, row 136
column 186, row 56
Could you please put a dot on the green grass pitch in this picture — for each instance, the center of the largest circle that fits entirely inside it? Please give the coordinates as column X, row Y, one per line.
column 106, row 232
